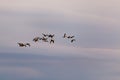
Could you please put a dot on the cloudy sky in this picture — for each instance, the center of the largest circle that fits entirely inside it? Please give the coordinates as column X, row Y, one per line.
column 94, row 55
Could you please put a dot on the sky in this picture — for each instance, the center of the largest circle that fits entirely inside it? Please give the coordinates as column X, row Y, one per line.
column 93, row 56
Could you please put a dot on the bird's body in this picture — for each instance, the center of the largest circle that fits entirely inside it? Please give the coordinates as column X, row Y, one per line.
column 21, row 45
column 73, row 40
column 69, row 37
column 44, row 39
column 72, row 36
column 51, row 36
column 45, row 35
column 64, row 35
column 28, row 44
column 36, row 39
column 52, row 41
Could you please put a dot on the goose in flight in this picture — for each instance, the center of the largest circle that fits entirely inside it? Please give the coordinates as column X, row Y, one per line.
column 45, row 35
column 44, row 39
column 73, row 40
column 28, row 44
column 22, row 45
column 52, row 41
column 51, row 36
column 64, row 35
column 70, row 37
column 36, row 39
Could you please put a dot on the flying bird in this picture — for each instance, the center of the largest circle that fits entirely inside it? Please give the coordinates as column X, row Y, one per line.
column 69, row 37
column 45, row 35
column 28, row 44
column 44, row 39
column 51, row 36
column 22, row 45
column 36, row 39
column 72, row 36
column 52, row 41
column 64, row 35
column 73, row 40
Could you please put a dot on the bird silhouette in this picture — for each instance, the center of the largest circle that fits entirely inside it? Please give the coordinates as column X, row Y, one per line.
column 36, row 39
column 72, row 36
column 44, row 39
column 22, row 45
column 52, row 41
column 51, row 36
column 45, row 35
column 69, row 37
column 28, row 44
column 64, row 35
column 73, row 40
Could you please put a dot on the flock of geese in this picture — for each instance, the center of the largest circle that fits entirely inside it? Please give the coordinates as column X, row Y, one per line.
column 47, row 38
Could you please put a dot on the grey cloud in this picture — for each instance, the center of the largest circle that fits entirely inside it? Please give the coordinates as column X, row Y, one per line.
column 56, row 67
